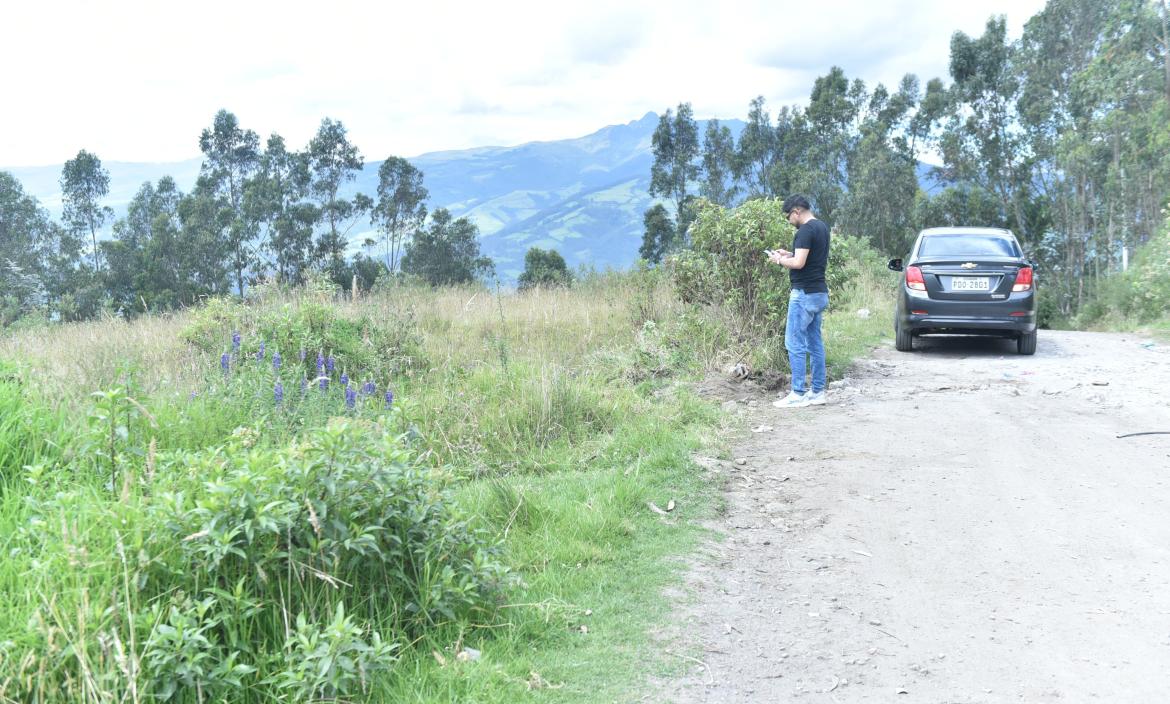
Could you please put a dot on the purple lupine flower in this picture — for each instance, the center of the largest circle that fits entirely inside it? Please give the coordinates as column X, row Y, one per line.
column 235, row 341
column 225, row 362
column 304, row 385
column 260, row 354
column 278, row 393
column 350, row 398
column 323, row 383
column 369, row 389
column 320, row 364
column 302, row 354
column 276, row 361
column 194, row 395
column 345, row 380
column 329, row 363
column 389, row 398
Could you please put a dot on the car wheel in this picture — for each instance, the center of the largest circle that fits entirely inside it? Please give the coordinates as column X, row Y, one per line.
column 1026, row 343
column 903, row 339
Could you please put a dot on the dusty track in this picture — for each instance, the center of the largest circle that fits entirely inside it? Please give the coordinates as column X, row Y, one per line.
column 959, row 524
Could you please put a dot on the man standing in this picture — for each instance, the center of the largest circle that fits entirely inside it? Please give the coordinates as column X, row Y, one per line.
column 807, row 302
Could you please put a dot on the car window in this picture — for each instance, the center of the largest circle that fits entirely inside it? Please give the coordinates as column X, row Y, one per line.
column 967, row 246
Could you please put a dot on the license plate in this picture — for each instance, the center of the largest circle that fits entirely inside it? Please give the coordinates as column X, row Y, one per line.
column 970, row 283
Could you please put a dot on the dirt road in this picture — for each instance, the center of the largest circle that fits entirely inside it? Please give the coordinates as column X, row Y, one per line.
column 958, row 524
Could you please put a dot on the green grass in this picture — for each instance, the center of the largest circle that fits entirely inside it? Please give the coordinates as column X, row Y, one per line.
column 555, row 416
column 592, row 554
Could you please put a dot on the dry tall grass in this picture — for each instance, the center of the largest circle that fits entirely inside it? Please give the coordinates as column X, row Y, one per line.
column 463, row 326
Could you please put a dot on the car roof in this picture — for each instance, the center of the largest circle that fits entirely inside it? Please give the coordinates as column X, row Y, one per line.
column 997, row 231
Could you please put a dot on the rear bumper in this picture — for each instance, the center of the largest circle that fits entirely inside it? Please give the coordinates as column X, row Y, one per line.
column 925, row 316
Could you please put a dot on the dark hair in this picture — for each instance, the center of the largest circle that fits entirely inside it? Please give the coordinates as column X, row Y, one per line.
column 795, row 201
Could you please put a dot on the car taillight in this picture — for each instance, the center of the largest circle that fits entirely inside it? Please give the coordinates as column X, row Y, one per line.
column 914, row 280
column 1023, row 279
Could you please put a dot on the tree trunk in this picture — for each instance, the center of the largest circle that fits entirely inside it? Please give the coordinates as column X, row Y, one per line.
column 1166, row 44
column 93, row 235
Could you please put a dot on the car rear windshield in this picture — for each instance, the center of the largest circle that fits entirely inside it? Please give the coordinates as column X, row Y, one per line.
column 967, row 246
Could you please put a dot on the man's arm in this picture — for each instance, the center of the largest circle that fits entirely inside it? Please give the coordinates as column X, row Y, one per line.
column 790, row 260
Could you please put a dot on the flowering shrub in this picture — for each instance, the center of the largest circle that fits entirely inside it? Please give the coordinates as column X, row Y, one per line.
column 381, row 347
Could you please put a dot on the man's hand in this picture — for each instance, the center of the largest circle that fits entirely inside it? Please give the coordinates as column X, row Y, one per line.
column 776, row 255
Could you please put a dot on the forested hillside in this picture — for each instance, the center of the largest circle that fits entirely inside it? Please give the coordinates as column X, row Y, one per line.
column 1062, row 136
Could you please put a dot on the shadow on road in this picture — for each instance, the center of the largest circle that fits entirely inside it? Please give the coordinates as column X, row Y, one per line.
column 967, row 346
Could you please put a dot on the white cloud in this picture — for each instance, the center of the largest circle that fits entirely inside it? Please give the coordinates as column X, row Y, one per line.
column 137, row 81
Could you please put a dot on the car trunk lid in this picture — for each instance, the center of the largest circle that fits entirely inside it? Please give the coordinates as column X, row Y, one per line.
column 969, row 279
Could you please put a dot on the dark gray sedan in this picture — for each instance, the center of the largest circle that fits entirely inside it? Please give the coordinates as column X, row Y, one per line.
column 966, row 281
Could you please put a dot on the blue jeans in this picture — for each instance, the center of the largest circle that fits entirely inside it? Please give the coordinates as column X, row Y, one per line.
column 802, row 336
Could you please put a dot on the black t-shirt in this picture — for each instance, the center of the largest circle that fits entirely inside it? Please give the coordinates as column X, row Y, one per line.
column 813, row 236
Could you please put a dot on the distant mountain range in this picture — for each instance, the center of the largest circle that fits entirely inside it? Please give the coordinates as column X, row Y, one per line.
column 583, row 197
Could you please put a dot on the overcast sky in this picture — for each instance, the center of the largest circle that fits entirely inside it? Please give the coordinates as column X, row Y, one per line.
column 138, row 81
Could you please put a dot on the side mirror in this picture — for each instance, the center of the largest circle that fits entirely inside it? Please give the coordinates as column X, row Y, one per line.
column 895, row 264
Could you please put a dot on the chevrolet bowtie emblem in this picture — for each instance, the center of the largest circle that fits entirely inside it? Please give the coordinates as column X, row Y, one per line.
column 970, row 265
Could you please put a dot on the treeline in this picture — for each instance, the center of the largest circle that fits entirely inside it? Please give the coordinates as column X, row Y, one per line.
column 1062, row 136
column 255, row 214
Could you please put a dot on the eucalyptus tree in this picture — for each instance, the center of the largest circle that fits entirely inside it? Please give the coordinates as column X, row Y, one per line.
column 676, row 145
column 983, row 142
column 84, row 183
column 718, row 184
column 658, row 234
column 789, row 170
column 755, row 153
column 1059, row 44
column 401, row 207
column 231, row 157
column 333, row 162
column 882, row 175
column 152, row 265
column 834, row 108
column 276, row 200
column 447, row 252
column 24, row 229
column 205, row 226
column 544, row 268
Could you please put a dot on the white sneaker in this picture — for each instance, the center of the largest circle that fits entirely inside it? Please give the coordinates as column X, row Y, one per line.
column 816, row 398
column 793, row 400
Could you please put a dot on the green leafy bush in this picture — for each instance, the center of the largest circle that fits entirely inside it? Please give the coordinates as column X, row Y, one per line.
column 726, row 264
column 349, row 505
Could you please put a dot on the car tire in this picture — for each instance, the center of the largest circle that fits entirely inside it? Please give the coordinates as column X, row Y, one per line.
column 903, row 339
column 1026, row 343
